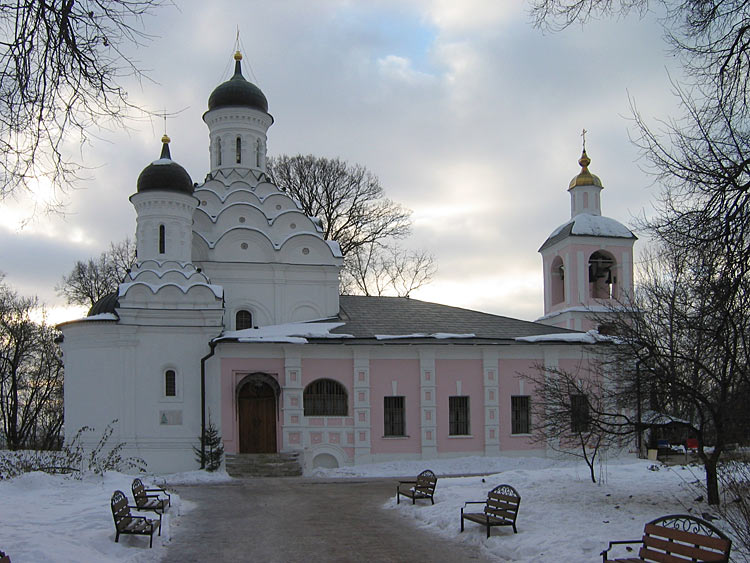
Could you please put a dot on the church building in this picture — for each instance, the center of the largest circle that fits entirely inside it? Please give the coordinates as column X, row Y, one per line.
column 232, row 316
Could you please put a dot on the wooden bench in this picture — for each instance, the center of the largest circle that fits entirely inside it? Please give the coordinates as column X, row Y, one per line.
column 500, row 509
column 145, row 501
column 125, row 523
column 678, row 538
column 422, row 488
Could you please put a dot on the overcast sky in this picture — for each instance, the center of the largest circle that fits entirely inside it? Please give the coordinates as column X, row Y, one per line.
column 469, row 116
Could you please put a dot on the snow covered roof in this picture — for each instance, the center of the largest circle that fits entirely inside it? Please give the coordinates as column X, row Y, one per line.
column 413, row 321
column 590, row 337
column 405, row 321
column 587, row 225
column 289, row 333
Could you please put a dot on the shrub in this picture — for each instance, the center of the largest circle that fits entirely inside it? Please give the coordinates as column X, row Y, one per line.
column 72, row 458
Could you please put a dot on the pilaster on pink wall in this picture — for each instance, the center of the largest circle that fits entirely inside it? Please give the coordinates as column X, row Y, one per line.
column 405, row 373
column 447, row 374
column 232, row 372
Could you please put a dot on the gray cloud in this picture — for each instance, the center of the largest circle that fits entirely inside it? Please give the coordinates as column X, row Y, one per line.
column 472, row 122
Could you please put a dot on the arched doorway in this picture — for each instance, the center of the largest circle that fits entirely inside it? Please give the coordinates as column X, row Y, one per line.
column 256, row 406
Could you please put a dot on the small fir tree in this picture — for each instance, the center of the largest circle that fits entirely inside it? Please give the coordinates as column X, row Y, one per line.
column 211, row 450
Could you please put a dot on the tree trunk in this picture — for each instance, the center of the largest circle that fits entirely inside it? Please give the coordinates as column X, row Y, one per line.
column 712, row 479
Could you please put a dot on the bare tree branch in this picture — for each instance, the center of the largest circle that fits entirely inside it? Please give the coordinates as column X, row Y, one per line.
column 60, row 69
column 91, row 280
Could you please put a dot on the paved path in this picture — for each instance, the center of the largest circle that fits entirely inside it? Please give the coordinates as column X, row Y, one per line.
column 296, row 519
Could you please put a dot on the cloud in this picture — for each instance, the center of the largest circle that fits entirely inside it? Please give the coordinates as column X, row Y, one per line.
column 400, row 69
column 469, row 116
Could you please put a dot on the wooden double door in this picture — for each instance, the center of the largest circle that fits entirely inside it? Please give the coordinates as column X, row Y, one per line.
column 257, row 418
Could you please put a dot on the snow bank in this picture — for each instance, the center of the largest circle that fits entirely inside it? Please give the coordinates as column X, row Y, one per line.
column 563, row 516
column 436, row 335
column 54, row 518
column 590, row 337
column 293, row 333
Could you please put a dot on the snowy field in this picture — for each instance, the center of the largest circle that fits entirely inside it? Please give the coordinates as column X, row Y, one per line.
column 53, row 518
column 563, row 516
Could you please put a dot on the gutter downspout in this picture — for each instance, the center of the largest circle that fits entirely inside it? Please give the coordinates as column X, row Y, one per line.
column 212, row 344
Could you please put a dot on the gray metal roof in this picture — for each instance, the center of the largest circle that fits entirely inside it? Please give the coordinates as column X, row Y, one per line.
column 367, row 316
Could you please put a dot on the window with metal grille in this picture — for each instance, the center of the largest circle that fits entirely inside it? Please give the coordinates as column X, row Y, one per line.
column 325, row 397
column 170, row 383
column 243, row 319
column 458, row 416
column 218, row 152
column 520, row 412
column 579, row 413
column 239, row 150
column 393, row 416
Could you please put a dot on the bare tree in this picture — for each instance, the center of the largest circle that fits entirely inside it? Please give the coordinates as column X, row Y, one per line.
column 685, row 352
column 60, row 67
column 373, row 269
column 353, row 210
column 575, row 411
column 711, row 37
column 91, row 280
column 348, row 199
column 689, row 339
column 31, row 376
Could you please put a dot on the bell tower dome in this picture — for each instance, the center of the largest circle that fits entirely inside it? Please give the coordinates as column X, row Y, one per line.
column 588, row 261
column 238, row 121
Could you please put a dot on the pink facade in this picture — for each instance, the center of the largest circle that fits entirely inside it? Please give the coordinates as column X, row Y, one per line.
column 395, row 378
column 423, row 383
column 460, row 378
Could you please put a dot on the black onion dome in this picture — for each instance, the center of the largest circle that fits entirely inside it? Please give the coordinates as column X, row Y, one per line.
column 165, row 174
column 237, row 92
column 105, row 304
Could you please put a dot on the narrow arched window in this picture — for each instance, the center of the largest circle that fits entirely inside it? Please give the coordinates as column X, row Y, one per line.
column 325, row 397
column 557, row 281
column 258, row 152
column 239, row 150
column 170, row 383
column 218, row 151
column 243, row 319
column 162, row 239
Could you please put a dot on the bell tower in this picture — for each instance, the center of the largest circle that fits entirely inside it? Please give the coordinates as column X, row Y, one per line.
column 587, row 261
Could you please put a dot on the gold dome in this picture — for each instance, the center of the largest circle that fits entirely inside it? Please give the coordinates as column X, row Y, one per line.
column 585, row 178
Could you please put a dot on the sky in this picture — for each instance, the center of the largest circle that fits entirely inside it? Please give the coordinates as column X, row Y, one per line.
column 469, row 116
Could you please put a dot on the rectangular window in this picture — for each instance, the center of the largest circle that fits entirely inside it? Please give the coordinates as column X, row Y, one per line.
column 520, row 412
column 458, row 416
column 170, row 383
column 393, row 416
column 579, row 413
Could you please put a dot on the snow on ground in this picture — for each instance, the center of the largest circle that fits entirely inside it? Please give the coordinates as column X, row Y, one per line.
column 563, row 516
column 46, row 518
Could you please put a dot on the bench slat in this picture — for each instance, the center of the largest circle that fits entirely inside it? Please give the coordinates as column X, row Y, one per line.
column 650, row 555
column 498, row 496
column 689, row 551
column 686, row 536
column 504, row 514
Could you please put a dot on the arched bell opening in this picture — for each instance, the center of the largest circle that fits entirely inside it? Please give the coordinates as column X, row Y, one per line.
column 602, row 275
column 557, row 281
